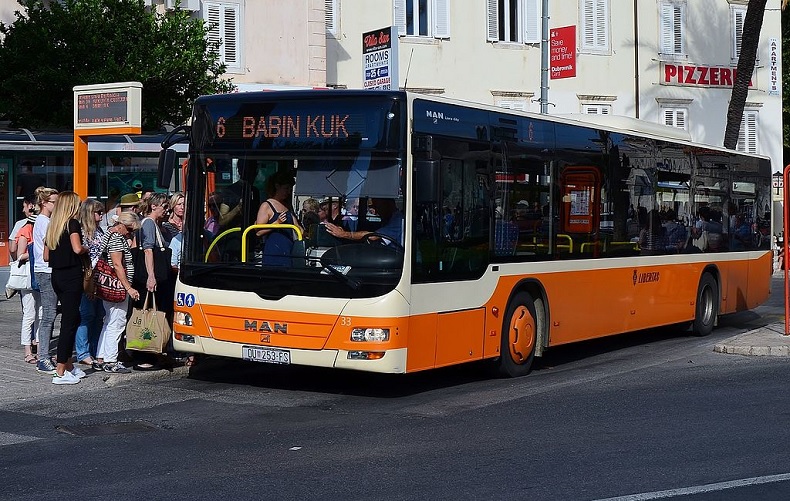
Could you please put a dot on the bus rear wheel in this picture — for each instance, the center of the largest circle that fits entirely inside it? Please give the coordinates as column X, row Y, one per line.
column 519, row 336
column 707, row 307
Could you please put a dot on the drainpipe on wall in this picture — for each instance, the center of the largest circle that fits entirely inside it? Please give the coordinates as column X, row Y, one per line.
column 544, row 57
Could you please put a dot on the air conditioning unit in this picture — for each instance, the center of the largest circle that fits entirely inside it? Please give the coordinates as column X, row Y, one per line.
column 190, row 5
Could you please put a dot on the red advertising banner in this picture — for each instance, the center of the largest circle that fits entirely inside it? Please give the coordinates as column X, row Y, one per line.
column 697, row 75
column 563, row 52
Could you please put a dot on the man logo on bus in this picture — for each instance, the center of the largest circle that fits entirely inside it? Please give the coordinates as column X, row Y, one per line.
column 264, row 326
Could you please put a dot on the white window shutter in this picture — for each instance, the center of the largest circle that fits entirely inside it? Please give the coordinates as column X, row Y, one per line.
column 601, row 24
column 595, row 25
column 330, row 12
column 666, row 17
column 211, row 15
column 675, row 117
column 231, row 35
column 492, row 13
column 680, row 119
column 223, row 23
column 747, row 136
column 441, row 18
column 531, row 20
column 588, row 23
column 672, row 20
column 677, row 20
column 669, row 118
column 738, row 15
column 399, row 16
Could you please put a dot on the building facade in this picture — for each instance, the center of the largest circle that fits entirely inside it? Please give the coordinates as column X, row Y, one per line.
column 664, row 61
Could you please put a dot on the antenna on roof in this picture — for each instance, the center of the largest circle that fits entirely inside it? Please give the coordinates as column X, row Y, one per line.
column 406, row 81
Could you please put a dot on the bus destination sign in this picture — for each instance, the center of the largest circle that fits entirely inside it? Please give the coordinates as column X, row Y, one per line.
column 323, row 126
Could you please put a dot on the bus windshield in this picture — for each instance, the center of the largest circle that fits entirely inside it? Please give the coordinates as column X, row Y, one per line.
column 301, row 215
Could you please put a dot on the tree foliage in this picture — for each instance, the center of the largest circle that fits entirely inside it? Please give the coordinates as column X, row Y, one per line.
column 47, row 51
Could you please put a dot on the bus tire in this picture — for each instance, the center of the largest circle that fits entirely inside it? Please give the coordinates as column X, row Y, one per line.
column 707, row 306
column 519, row 336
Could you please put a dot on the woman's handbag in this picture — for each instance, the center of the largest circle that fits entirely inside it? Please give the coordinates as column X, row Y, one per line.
column 162, row 254
column 19, row 276
column 108, row 285
column 88, row 283
column 147, row 329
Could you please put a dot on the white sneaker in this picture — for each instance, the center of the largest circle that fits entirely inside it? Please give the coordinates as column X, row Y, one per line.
column 76, row 371
column 66, row 378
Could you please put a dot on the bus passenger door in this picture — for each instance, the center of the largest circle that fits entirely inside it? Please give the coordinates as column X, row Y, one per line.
column 580, row 211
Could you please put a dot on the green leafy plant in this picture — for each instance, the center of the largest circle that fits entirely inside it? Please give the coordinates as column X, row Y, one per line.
column 49, row 49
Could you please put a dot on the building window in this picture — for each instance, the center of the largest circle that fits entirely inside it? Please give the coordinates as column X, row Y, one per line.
column 737, row 16
column 330, row 11
column 223, row 23
column 595, row 25
column 672, row 20
column 422, row 18
column 675, row 117
column 597, row 109
column 747, row 137
column 516, row 21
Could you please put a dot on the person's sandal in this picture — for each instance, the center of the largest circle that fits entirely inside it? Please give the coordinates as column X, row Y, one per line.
column 31, row 359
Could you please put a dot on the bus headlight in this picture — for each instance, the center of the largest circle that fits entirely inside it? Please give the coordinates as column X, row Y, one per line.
column 182, row 318
column 362, row 334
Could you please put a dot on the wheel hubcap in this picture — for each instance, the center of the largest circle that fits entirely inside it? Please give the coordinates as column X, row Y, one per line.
column 522, row 337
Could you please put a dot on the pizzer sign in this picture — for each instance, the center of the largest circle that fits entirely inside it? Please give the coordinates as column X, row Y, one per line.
column 691, row 75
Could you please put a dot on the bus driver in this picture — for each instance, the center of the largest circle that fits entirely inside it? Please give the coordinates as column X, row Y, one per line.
column 392, row 226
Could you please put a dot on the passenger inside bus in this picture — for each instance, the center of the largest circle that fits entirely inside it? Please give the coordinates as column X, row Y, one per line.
column 391, row 229
column 277, row 243
column 652, row 237
column 676, row 234
column 241, row 196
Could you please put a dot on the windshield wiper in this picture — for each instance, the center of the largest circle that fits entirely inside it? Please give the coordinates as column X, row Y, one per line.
column 332, row 270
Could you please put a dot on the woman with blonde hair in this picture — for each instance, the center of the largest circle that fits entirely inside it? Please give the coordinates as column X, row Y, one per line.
column 63, row 248
column 45, row 200
column 172, row 226
column 91, row 309
column 116, row 243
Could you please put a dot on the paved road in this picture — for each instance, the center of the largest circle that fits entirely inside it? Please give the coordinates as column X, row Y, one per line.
column 656, row 414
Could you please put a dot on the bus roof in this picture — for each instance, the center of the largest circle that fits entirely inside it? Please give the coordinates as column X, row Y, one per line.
column 613, row 123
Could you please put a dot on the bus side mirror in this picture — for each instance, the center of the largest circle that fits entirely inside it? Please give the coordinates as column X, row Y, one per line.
column 426, row 181
column 168, row 159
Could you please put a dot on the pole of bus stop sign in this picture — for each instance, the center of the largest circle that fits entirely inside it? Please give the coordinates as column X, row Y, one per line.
column 785, row 238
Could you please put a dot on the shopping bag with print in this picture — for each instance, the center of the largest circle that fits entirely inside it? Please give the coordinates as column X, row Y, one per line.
column 147, row 329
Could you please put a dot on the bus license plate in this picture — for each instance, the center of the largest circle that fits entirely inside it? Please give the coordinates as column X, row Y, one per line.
column 266, row 355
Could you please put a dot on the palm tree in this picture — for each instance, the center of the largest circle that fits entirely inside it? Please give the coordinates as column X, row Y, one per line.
column 750, row 39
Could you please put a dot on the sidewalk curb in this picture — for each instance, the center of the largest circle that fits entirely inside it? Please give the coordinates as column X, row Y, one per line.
column 768, row 341
column 152, row 375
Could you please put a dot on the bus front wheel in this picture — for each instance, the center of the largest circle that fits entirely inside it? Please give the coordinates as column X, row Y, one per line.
column 519, row 336
column 707, row 308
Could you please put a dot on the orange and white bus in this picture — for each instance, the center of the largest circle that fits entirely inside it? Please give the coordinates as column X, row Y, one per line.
column 458, row 232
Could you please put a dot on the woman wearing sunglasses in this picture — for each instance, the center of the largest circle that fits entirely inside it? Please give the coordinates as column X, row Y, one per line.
column 91, row 309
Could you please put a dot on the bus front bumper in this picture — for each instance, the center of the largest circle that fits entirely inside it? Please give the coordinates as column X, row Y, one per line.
column 391, row 361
